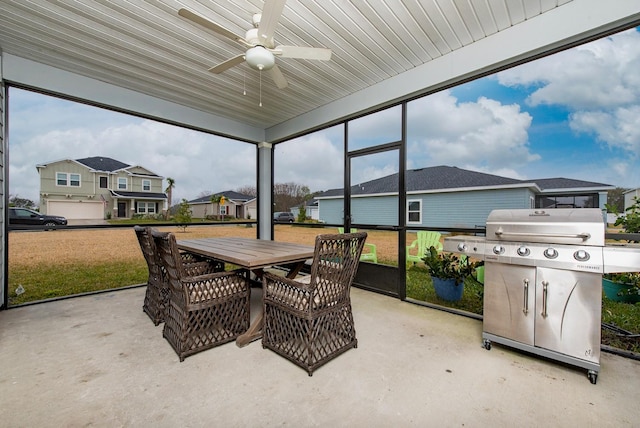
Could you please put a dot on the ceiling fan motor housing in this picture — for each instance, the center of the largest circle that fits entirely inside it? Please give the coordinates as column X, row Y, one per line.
column 259, row 58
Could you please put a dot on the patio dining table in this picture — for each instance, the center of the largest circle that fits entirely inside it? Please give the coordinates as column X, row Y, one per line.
column 254, row 255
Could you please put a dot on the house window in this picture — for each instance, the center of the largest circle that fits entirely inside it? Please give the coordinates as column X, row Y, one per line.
column 61, row 178
column 103, row 182
column 67, row 179
column 568, row 201
column 414, row 211
column 146, row 207
column 146, row 185
column 122, row 184
column 223, row 210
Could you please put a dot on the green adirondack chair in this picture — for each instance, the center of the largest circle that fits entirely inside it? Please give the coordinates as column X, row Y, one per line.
column 369, row 253
column 426, row 239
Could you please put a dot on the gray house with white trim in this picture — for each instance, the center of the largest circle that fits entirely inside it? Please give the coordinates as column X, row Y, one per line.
column 446, row 197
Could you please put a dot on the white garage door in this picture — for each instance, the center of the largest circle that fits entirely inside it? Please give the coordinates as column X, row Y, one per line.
column 253, row 212
column 74, row 210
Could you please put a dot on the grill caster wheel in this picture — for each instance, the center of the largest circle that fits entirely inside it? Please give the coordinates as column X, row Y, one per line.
column 486, row 344
column 593, row 376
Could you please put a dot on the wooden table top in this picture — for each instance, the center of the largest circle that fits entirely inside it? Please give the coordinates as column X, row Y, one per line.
column 246, row 252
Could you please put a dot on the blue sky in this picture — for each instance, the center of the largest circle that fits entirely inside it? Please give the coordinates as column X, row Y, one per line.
column 575, row 114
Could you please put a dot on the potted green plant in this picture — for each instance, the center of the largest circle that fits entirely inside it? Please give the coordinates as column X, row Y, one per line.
column 622, row 287
column 448, row 273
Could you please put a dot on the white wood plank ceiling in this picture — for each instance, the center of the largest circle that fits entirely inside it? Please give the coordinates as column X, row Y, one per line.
column 147, row 47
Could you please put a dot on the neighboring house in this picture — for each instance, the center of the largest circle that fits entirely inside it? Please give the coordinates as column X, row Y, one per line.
column 96, row 188
column 629, row 196
column 448, row 197
column 235, row 205
column 310, row 207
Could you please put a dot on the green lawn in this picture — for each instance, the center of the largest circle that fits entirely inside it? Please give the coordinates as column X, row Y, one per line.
column 625, row 316
column 49, row 280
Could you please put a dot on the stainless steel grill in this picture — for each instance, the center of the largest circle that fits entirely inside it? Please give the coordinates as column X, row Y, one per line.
column 543, row 281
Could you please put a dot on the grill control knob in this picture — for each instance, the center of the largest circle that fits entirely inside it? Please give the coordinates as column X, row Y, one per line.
column 462, row 247
column 523, row 251
column 581, row 256
column 498, row 249
column 550, row 253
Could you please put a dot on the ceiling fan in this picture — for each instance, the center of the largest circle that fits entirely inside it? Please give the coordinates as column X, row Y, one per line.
column 261, row 49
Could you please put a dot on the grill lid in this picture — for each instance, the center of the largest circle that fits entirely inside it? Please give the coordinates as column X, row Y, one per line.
column 579, row 226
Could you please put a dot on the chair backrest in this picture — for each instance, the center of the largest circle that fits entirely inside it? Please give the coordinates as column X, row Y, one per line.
column 148, row 247
column 352, row 230
column 335, row 263
column 426, row 239
column 169, row 256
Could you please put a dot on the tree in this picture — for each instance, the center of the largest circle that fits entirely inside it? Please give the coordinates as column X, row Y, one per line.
column 302, row 214
column 170, row 185
column 631, row 218
column 219, row 200
column 248, row 190
column 17, row 201
column 183, row 216
column 615, row 200
column 287, row 195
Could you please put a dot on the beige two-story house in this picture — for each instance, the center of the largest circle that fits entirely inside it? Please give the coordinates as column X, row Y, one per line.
column 97, row 188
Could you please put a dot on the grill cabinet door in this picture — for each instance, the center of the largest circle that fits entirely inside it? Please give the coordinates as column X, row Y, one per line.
column 509, row 301
column 568, row 313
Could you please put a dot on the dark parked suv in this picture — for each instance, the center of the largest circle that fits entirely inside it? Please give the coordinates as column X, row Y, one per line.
column 283, row 218
column 27, row 217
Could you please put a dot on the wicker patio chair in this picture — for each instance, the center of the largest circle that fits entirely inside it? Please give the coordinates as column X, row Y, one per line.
column 156, row 297
column 204, row 311
column 311, row 322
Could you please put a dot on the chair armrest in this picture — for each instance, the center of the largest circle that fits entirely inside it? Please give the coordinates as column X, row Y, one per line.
column 285, row 291
column 413, row 245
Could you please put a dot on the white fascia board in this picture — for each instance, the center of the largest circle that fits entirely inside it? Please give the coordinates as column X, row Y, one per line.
column 33, row 74
column 479, row 188
column 452, row 190
column 578, row 189
column 569, row 23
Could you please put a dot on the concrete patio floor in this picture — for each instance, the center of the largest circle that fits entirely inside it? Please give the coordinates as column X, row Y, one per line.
column 99, row 361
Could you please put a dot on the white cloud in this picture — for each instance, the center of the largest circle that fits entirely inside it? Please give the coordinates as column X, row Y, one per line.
column 314, row 161
column 619, row 127
column 600, row 74
column 598, row 83
column 196, row 161
column 485, row 134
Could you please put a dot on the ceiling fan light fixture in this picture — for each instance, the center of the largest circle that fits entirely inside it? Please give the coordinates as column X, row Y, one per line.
column 260, row 58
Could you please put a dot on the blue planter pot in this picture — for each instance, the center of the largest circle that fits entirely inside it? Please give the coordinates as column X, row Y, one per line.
column 447, row 289
column 617, row 292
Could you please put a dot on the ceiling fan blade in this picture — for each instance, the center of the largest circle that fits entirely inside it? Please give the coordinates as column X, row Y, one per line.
column 278, row 77
column 231, row 62
column 271, row 12
column 303, row 52
column 191, row 16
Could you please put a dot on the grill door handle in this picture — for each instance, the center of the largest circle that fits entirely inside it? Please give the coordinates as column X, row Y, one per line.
column 525, row 309
column 545, row 285
column 583, row 236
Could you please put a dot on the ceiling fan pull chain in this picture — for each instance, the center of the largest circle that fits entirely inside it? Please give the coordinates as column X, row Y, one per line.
column 244, row 82
column 260, row 88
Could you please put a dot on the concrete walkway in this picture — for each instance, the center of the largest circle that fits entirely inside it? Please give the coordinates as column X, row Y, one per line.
column 99, row 361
